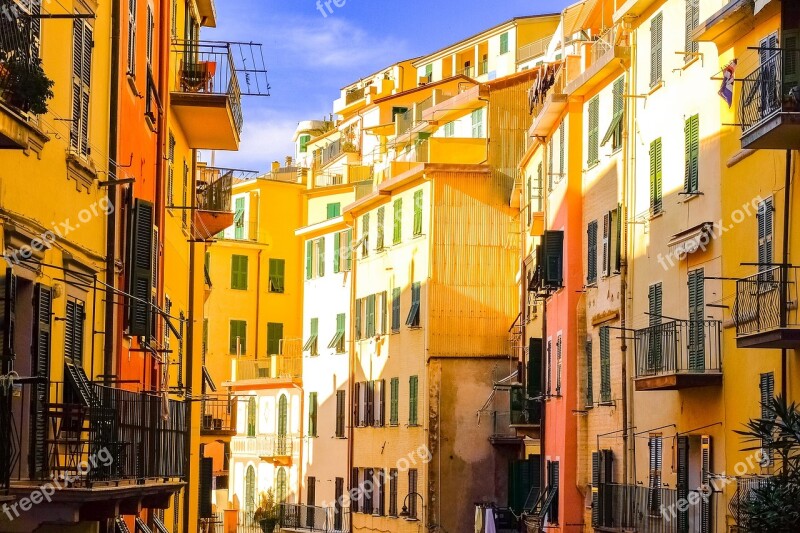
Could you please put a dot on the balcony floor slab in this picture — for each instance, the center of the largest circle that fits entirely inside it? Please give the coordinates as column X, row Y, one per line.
column 779, row 132
column 779, row 338
column 678, row 381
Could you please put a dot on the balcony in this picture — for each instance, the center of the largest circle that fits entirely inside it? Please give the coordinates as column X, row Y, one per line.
column 679, row 354
column 218, row 416
column 608, row 54
column 213, row 213
column 276, row 369
column 346, row 174
column 298, row 517
column 652, row 510
column 331, row 152
column 746, row 487
column 769, row 108
column 533, row 50
column 277, row 449
column 352, row 99
column 206, row 95
column 548, row 99
column 765, row 311
column 455, row 150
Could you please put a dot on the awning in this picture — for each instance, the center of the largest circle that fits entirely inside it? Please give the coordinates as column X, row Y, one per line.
column 575, row 16
column 760, row 4
column 691, row 240
column 207, row 381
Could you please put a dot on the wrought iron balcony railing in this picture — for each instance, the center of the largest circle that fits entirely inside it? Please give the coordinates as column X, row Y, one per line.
column 679, row 346
column 767, row 301
column 314, row 518
column 534, row 49
column 265, row 445
column 746, row 488
column 768, row 90
column 218, row 415
column 214, row 189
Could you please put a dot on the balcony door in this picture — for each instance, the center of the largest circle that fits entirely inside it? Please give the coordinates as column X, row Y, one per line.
column 282, row 424
column 251, row 417
column 769, row 85
column 250, row 492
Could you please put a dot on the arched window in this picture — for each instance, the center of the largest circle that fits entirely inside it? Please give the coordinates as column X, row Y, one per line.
column 280, row 486
column 251, row 417
column 250, row 491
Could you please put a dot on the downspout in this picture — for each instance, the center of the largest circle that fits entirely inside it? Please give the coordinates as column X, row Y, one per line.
column 111, row 218
column 787, row 198
column 542, row 370
column 258, row 298
column 161, row 141
column 190, row 343
column 352, row 357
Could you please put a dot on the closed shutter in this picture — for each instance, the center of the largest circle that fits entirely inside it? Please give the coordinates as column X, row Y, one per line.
column 354, row 490
column 413, row 384
column 417, row 213
column 767, row 390
column 692, row 148
column 605, row 364
column 311, row 498
column 312, row 414
column 705, row 475
column 692, row 20
column 321, row 257
column 43, row 308
column 504, row 43
column 607, row 225
column 333, row 210
column 535, row 368
column 594, row 131
column 274, row 338
column 589, row 375
column 654, row 347
column 397, row 226
column 765, row 216
column 370, row 316
column 393, row 475
column 369, row 408
column 309, row 259
column 238, row 337
column 696, row 323
column 553, row 257
column 337, row 253
column 206, row 486
column 340, row 413
column 655, row 445
column 140, row 268
column 591, row 259
column 683, row 481
column 356, row 404
column 656, row 34
column 395, row 309
column 338, row 493
column 348, row 250
column 656, row 185
column 394, row 415
column 239, row 272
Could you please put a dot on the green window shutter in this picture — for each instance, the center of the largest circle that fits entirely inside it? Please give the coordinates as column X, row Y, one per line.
column 653, row 362
column 384, row 313
column 656, row 199
column 504, row 43
column 418, row 212
column 396, row 309
column 413, row 319
column 304, row 143
column 274, row 338
column 238, row 330
column 477, row 124
column 348, row 258
column 365, row 235
column 277, row 270
column 338, row 340
column 398, row 221
column 358, row 318
column 692, row 149
column 337, row 244
column 591, row 260
column 696, row 284
column 238, row 219
column 594, row 131
column 312, row 342
column 334, row 210
column 589, row 374
column 312, row 414
column 656, row 55
column 340, row 413
column 615, row 128
column 239, row 272
column 205, row 338
column 562, row 145
column 605, row 364
column 370, row 316
column 309, row 259
column 321, row 256
column 394, row 417
column 379, row 245
column 413, row 384
column 692, row 20
column 765, row 217
column 429, row 72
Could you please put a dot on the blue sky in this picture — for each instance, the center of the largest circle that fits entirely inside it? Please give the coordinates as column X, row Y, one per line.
column 310, row 57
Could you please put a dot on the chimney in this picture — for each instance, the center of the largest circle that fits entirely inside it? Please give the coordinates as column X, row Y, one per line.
column 288, row 161
column 275, row 166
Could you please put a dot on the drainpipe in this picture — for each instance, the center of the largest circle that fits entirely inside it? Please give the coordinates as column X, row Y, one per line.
column 623, row 274
column 111, row 218
column 352, row 357
column 787, row 198
column 190, row 343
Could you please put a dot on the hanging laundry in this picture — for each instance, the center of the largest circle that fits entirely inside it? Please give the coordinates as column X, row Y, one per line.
column 726, row 91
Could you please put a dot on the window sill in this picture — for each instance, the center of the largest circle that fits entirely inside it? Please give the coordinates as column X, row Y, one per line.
column 132, row 84
column 591, row 165
column 654, row 216
column 694, row 59
column 591, row 285
column 689, row 196
column 414, row 425
column 605, row 404
column 655, row 87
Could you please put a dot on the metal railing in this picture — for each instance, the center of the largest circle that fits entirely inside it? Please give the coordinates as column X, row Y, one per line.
column 18, row 53
column 354, row 95
column 605, row 42
column 654, row 510
column 679, row 346
column 767, row 301
column 122, row 435
column 534, row 49
column 745, row 493
column 314, row 518
column 218, row 414
column 208, row 68
column 214, row 189
column 264, row 445
column 766, row 91
column 274, row 367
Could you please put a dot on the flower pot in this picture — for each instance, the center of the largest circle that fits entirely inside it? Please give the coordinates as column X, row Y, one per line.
column 268, row 524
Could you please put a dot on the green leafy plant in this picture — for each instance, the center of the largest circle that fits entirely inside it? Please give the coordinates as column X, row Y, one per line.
column 774, row 506
column 267, row 512
column 26, row 86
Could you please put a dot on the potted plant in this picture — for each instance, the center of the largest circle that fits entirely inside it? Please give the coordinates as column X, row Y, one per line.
column 26, row 86
column 267, row 513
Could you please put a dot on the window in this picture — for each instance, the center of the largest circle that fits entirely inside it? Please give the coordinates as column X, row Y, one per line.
column 342, row 253
column 312, row 414
column 251, row 417
column 697, row 353
column 380, row 492
column 358, row 318
column 767, row 390
column 369, row 490
column 238, row 218
column 655, row 443
column 398, row 111
column 379, row 415
column 429, row 72
column 319, row 246
column 549, row 367
column 131, row 37
column 365, row 235
column 334, row 210
column 477, row 124
column 239, row 272
column 691, row 132
column 151, row 26
column 765, row 215
column 238, row 337
column 274, row 338
column 553, row 475
column 311, row 344
column 277, row 268
column 383, row 306
column 605, row 364
column 614, row 132
column 654, row 344
column 417, row 213
column 304, row 139
column 337, row 343
column 591, row 259
column 413, row 314
column 398, row 221
column 315, row 258
column 589, row 375
column 593, row 142
column 73, row 331
column 656, row 52
column 82, row 45
column 413, row 384
column 396, row 310
column 412, row 489
column 393, row 475
column 370, row 312
column 450, row 129
column 611, row 242
column 354, row 489
column 559, row 361
column 656, row 191
column 311, row 498
column 340, row 407
column 692, row 20
column 380, row 243
column 504, row 43
column 394, row 401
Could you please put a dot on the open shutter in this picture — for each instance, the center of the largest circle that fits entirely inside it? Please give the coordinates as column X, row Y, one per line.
column 595, row 489
column 86, row 80
column 358, row 318
column 589, row 374
column 370, row 316
column 413, row 383
column 594, row 131
column 77, row 100
column 605, row 364
column 591, row 249
column 394, row 401
column 696, row 331
column 656, row 192
column 380, row 402
column 43, row 307
column 606, row 265
column 336, row 252
column 396, row 309
column 140, row 268
column 77, row 346
column 692, row 149
column 206, row 486
column 321, row 257
column 705, row 474
column 8, row 296
column 309, row 259
column 767, row 390
column 656, row 49
column 683, row 481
